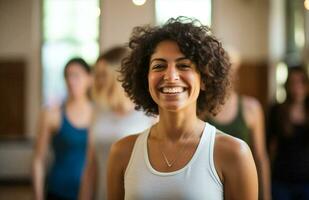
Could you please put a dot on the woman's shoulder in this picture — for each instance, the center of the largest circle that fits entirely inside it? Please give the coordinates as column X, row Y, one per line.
column 251, row 104
column 253, row 111
column 124, row 146
column 122, row 149
column 230, row 153
column 51, row 115
column 230, row 145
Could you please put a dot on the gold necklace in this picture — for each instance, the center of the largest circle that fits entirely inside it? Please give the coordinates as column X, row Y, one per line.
column 167, row 162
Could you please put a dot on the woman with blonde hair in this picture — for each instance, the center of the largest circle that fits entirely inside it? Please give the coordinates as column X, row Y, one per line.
column 114, row 118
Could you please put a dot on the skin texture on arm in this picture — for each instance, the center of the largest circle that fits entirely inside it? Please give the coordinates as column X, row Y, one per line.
column 117, row 163
column 49, row 121
column 236, row 168
column 255, row 119
column 87, row 188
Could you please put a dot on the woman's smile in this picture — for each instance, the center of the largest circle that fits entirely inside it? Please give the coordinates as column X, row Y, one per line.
column 173, row 79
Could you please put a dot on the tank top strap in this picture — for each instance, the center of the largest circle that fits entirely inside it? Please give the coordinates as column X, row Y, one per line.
column 66, row 125
column 63, row 120
column 241, row 121
column 211, row 132
column 138, row 151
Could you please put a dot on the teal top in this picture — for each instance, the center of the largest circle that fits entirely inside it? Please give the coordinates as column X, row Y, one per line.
column 69, row 148
column 237, row 127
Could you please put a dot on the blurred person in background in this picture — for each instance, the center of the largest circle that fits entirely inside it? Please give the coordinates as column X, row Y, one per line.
column 65, row 127
column 288, row 133
column 115, row 117
column 242, row 117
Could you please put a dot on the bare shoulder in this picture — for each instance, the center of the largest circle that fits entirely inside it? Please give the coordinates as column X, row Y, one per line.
column 230, row 147
column 122, row 149
column 230, row 153
column 251, row 104
column 51, row 116
column 236, row 168
column 253, row 111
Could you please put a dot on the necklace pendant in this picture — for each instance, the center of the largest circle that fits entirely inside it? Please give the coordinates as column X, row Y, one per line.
column 166, row 160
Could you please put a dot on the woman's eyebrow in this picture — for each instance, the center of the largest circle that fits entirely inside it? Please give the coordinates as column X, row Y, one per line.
column 163, row 60
column 182, row 58
column 158, row 59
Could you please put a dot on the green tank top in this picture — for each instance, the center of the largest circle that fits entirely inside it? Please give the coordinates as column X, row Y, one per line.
column 238, row 127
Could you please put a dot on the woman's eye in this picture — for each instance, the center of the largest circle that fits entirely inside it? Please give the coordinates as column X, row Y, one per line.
column 157, row 67
column 183, row 66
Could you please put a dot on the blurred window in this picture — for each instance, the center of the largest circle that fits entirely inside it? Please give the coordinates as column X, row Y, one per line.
column 198, row 9
column 70, row 29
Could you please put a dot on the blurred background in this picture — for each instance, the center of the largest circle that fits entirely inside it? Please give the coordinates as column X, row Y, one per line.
column 37, row 37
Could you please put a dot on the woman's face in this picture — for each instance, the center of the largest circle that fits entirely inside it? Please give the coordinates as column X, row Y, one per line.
column 297, row 86
column 78, row 80
column 174, row 82
column 102, row 75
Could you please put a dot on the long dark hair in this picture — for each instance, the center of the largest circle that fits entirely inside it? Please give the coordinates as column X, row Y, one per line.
column 77, row 60
column 286, row 106
column 83, row 64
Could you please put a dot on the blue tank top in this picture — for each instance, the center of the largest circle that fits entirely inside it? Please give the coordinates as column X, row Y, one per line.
column 69, row 148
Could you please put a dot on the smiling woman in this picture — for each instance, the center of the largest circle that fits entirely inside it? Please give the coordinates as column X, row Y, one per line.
column 182, row 81
column 176, row 71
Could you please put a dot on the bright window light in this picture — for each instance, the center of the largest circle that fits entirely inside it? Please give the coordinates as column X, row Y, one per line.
column 281, row 73
column 70, row 29
column 281, row 76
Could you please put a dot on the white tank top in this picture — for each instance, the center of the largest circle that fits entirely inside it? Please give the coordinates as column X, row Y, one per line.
column 108, row 128
column 195, row 181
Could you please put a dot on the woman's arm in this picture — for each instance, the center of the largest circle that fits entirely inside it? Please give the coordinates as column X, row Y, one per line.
column 41, row 148
column 88, row 186
column 117, row 163
column 236, row 168
column 255, row 119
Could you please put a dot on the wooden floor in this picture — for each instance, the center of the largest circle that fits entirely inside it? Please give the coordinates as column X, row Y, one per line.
column 16, row 192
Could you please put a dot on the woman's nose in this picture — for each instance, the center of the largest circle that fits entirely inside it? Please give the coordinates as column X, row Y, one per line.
column 171, row 73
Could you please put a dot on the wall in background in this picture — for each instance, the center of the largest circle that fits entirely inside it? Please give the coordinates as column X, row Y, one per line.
column 20, row 39
column 118, row 17
column 244, row 25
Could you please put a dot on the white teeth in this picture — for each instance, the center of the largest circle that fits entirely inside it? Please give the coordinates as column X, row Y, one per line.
column 172, row 90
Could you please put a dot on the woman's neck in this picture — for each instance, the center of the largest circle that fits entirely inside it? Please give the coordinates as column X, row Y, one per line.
column 175, row 126
column 228, row 111
column 81, row 101
column 231, row 101
column 123, row 106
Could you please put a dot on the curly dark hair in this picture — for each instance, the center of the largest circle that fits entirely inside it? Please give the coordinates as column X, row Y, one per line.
column 196, row 42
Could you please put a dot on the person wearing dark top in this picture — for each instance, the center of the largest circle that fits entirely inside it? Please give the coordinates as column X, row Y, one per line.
column 242, row 116
column 66, row 128
column 288, row 133
column 69, row 147
column 236, row 127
